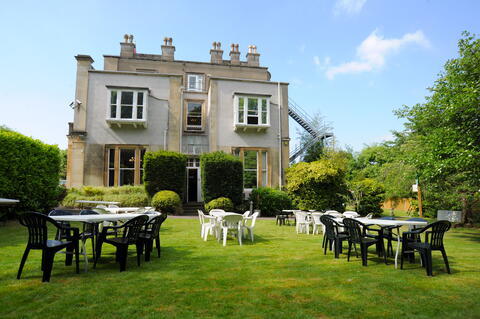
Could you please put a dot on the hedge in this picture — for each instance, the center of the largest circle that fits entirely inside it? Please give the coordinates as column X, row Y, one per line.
column 29, row 171
column 128, row 196
column 222, row 176
column 270, row 200
column 164, row 170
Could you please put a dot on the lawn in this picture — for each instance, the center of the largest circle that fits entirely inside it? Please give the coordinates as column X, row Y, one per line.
column 281, row 275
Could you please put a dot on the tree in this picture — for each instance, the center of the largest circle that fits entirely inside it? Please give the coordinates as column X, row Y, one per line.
column 447, row 128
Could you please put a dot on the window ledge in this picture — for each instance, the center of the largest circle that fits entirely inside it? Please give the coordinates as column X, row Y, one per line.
column 127, row 123
column 251, row 127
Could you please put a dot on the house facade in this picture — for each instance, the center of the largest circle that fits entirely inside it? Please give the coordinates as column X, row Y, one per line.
column 141, row 102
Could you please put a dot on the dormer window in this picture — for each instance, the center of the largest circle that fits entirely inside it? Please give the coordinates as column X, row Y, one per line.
column 252, row 111
column 195, row 82
column 127, row 107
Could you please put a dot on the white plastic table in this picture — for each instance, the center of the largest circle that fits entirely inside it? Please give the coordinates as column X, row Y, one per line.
column 387, row 222
column 96, row 202
column 120, row 210
column 8, row 202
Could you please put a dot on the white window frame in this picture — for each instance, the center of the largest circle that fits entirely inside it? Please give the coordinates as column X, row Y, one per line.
column 245, row 123
column 199, row 82
column 194, row 128
column 135, row 106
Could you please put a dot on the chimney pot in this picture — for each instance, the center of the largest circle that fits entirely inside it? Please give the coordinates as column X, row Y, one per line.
column 234, row 55
column 127, row 48
column 216, row 53
column 168, row 50
column 253, row 58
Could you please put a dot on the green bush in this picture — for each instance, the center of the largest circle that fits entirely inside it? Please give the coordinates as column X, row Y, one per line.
column 128, row 196
column 164, row 170
column 29, row 171
column 370, row 196
column 317, row 185
column 222, row 176
column 270, row 200
column 221, row 203
column 166, row 202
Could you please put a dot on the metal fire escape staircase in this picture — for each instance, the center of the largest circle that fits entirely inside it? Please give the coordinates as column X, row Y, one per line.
column 305, row 121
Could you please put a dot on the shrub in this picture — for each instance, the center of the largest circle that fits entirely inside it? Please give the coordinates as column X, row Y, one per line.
column 166, row 202
column 29, row 171
column 132, row 196
column 164, row 170
column 317, row 185
column 221, row 203
column 222, row 176
column 370, row 196
column 270, row 200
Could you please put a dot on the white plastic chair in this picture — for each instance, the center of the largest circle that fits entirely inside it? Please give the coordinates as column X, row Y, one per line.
column 250, row 227
column 113, row 206
column 303, row 224
column 333, row 213
column 317, row 223
column 246, row 214
column 233, row 224
column 216, row 212
column 350, row 214
column 207, row 224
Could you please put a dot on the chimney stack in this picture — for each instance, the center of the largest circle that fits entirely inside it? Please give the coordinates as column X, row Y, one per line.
column 253, row 58
column 234, row 54
column 168, row 50
column 216, row 53
column 127, row 47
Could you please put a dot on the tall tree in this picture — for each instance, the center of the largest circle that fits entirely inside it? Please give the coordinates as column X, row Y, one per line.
column 447, row 127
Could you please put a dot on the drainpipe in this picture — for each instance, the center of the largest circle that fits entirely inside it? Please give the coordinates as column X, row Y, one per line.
column 279, row 137
column 181, row 119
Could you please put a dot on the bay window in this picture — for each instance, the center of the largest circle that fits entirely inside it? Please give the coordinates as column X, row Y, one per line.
column 127, row 107
column 252, row 111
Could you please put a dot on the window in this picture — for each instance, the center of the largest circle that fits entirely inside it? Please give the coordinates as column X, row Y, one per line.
column 253, row 111
column 127, row 106
column 195, row 82
column 125, row 166
column 194, row 116
column 255, row 167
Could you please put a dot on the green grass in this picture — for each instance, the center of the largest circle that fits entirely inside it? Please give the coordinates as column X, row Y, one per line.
column 281, row 275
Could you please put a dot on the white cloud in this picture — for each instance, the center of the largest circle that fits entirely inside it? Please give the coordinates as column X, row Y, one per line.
column 348, row 6
column 371, row 53
column 302, row 48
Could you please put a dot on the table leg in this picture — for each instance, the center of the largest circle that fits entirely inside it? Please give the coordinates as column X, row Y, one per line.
column 398, row 246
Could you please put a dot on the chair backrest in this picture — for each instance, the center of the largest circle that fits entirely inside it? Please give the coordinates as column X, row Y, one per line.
column 101, row 206
column 254, row 218
column 333, row 213
column 37, row 228
column 100, row 210
column 155, row 223
column 113, row 206
column 246, row 214
column 59, row 212
column 201, row 216
column 88, row 212
column 316, row 218
column 232, row 221
column 329, row 226
column 133, row 227
column 354, row 229
column 217, row 212
column 301, row 217
column 438, row 229
column 350, row 214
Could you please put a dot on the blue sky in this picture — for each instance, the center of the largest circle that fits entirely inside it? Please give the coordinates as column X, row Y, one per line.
column 352, row 61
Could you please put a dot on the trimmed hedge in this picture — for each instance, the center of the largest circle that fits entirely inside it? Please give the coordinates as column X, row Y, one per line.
column 164, row 170
column 29, row 171
column 221, row 203
column 166, row 202
column 128, row 196
column 222, row 176
column 270, row 200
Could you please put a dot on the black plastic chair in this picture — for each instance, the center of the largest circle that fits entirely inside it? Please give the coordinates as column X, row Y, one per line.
column 389, row 235
column 151, row 233
column 357, row 232
column 434, row 234
column 38, row 239
column 129, row 232
column 332, row 235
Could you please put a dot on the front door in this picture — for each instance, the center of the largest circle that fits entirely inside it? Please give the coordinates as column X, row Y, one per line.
column 192, row 184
